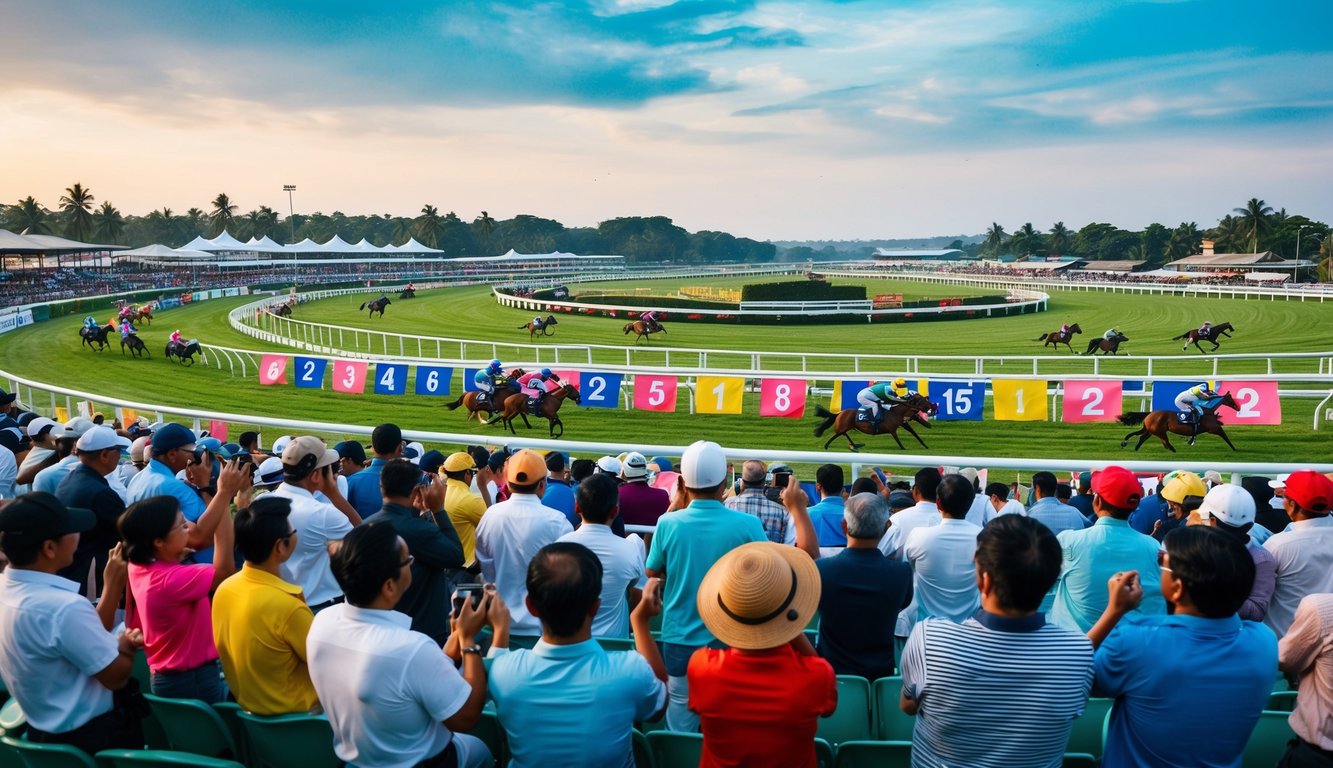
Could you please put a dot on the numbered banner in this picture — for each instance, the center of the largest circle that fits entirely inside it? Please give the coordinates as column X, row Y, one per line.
column 600, row 390
column 390, row 379
column 1164, row 393
column 217, row 429
column 310, row 372
column 844, row 394
column 273, row 369
column 468, row 384
column 432, row 380
column 1092, row 401
column 655, row 393
column 1257, row 402
column 718, row 394
column 1019, row 400
column 569, row 377
column 958, row 400
column 349, row 376
column 784, row 398
column 62, row 414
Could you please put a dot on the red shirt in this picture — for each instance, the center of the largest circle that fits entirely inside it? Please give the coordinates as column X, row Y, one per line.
column 760, row 708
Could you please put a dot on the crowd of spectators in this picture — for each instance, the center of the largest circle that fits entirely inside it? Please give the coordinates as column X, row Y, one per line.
column 370, row 582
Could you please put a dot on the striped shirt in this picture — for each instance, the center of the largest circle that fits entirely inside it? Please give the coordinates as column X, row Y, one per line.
column 773, row 516
column 995, row 692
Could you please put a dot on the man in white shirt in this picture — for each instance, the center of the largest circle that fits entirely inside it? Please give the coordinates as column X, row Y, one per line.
column 924, row 513
column 997, row 496
column 945, row 576
column 10, row 438
column 48, row 480
column 622, row 559
column 308, row 467
column 512, row 531
column 1304, row 552
column 393, row 697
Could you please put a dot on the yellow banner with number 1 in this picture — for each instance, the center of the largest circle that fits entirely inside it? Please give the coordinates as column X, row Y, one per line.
column 1019, row 400
column 718, row 394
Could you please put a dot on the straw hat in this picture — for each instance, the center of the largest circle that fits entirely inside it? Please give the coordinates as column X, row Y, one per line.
column 759, row 595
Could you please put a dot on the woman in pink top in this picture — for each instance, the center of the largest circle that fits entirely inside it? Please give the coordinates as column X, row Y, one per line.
column 170, row 600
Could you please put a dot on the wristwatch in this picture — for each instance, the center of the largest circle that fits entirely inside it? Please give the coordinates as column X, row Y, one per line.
column 474, row 648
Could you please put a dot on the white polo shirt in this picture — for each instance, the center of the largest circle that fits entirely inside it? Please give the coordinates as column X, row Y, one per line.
column 508, row 536
column 622, row 567
column 903, row 522
column 1303, row 555
column 944, row 574
column 51, row 644
column 316, row 524
column 386, row 689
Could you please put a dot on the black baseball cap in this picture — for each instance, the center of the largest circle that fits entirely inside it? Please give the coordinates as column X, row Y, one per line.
column 40, row 516
column 351, row 449
column 431, row 461
column 6, row 397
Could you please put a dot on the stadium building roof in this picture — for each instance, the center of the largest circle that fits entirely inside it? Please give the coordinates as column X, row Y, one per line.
column 921, row 253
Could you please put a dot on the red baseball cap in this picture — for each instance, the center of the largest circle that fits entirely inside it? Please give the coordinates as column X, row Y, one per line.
column 1310, row 491
column 1118, row 487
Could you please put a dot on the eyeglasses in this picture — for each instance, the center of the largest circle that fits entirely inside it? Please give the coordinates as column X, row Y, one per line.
column 1161, row 561
column 410, row 559
column 288, row 535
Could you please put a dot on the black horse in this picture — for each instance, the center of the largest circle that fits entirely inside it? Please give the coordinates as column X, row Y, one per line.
column 377, row 305
column 184, row 352
column 1104, row 345
column 135, row 345
column 95, row 338
column 408, row 293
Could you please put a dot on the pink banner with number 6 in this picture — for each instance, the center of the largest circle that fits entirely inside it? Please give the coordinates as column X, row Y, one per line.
column 782, row 397
column 655, row 393
column 273, row 369
column 1257, row 402
column 349, row 376
column 1092, row 401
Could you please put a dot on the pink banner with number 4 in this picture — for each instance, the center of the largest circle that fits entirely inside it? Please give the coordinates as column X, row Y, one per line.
column 1257, row 402
column 273, row 369
column 349, row 376
column 784, row 398
column 1092, row 401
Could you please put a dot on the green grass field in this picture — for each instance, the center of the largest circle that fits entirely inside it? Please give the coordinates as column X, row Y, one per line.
column 49, row 352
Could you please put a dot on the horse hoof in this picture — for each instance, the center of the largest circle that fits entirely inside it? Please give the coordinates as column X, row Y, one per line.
column 1124, row 443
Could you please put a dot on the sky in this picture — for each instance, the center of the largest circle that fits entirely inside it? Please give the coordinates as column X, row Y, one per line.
column 785, row 120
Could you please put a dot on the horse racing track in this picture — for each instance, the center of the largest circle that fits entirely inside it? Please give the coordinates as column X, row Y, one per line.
column 737, row 384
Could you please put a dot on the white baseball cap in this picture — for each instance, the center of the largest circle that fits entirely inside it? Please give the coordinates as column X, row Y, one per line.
column 1230, row 504
column 79, row 425
column 609, row 465
column 281, row 444
column 1279, row 483
column 703, row 465
column 634, row 466
column 100, row 439
column 41, row 424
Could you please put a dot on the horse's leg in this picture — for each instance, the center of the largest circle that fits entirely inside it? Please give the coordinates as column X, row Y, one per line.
column 832, row 438
column 850, row 441
column 894, row 434
column 1125, row 442
column 1222, row 434
column 908, row 426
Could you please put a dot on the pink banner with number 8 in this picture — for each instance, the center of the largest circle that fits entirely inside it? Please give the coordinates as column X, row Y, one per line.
column 1257, row 402
column 1092, row 401
column 782, row 397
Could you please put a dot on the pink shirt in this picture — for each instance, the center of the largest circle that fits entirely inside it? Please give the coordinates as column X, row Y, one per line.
column 171, row 605
column 1307, row 650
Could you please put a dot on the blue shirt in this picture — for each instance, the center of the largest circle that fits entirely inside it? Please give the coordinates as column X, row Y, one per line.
column 1057, row 516
column 1091, row 557
column 363, row 489
column 1151, row 509
column 1188, row 690
column 1083, row 503
column 157, row 479
column 827, row 517
column 560, row 495
column 599, row 695
column 863, row 592
column 686, row 544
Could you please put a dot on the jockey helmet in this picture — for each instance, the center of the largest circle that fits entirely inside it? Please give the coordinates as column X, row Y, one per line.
column 546, row 373
column 900, row 382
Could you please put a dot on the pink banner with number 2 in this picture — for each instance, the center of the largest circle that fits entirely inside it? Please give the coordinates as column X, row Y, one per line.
column 1092, row 401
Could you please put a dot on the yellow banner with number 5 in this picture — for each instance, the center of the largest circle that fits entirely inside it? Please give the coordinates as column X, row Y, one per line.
column 718, row 394
column 1019, row 400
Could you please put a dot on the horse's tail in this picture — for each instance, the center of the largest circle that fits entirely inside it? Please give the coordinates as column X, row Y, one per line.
column 628, row 327
column 454, row 405
column 828, row 418
column 523, row 327
column 363, row 305
column 1040, row 338
column 1132, row 418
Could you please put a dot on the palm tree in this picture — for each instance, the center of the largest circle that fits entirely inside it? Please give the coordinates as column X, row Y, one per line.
column 223, row 215
column 108, row 223
column 428, row 226
column 1254, row 220
column 76, row 204
column 1059, row 240
column 1026, row 241
column 484, row 225
column 1185, row 241
column 401, row 231
column 30, row 217
column 994, row 241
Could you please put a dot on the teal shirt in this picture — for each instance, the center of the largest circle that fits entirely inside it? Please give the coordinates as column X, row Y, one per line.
column 685, row 545
column 1091, row 557
column 883, row 390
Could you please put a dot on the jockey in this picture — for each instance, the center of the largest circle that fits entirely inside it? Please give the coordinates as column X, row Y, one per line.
column 176, row 336
column 538, row 383
column 493, row 368
column 1064, row 330
column 1189, row 401
column 887, row 393
column 538, row 322
column 1206, row 329
column 412, row 288
column 126, row 311
column 90, row 323
column 127, row 329
column 650, row 318
column 1111, row 334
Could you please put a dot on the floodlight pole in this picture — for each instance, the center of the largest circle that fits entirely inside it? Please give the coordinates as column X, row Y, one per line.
column 291, row 219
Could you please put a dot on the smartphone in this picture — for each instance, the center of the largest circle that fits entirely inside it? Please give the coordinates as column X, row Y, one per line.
column 883, row 478
column 463, row 591
column 780, row 479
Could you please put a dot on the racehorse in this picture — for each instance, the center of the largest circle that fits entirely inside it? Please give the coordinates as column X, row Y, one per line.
column 135, row 344
column 900, row 415
column 144, row 313
column 544, row 329
column 183, row 352
column 281, row 310
column 408, row 293
column 549, row 407
column 1056, row 338
column 1159, row 424
column 475, row 403
column 1111, row 345
column 1214, row 333
column 377, row 305
column 642, row 329
column 96, row 336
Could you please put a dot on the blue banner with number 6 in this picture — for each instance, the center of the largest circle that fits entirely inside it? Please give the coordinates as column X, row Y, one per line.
column 600, row 390
column 432, row 380
column 957, row 400
column 310, row 372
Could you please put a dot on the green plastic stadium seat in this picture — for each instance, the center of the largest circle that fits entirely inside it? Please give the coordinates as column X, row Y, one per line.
column 891, row 722
column 1086, row 736
column 193, row 726
column 1281, row 701
column 12, row 720
column 489, row 730
column 676, row 750
column 851, row 720
column 523, row 641
column 151, row 758
column 230, row 711
column 9, row 757
column 1269, row 740
column 48, row 755
column 643, row 753
column 874, row 754
column 1076, row 760
column 823, row 753
column 616, row 643
column 275, row 740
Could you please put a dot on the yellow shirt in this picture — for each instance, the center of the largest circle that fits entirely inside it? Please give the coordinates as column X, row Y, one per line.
column 465, row 509
column 260, row 623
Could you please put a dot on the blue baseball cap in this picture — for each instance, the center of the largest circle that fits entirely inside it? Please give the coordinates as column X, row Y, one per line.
column 172, row 436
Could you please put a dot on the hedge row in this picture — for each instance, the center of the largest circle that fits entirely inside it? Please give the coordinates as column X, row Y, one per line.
column 802, row 290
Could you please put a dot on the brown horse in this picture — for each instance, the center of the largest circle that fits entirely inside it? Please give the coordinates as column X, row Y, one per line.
column 1159, row 424
column 475, row 404
column 1214, row 333
column 546, row 328
column 1056, row 338
column 897, row 416
column 1103, row 345
column 550, row 408
column 643, row 330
